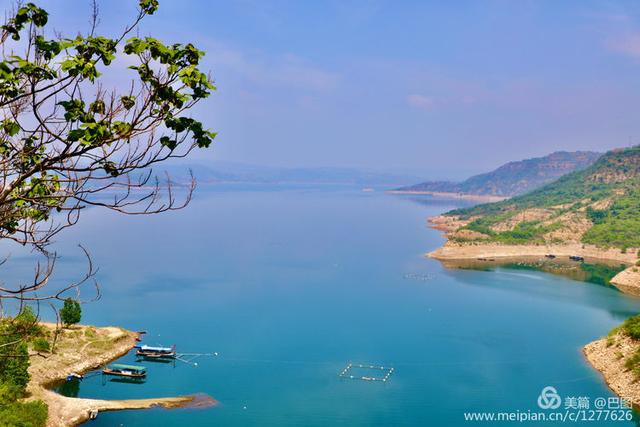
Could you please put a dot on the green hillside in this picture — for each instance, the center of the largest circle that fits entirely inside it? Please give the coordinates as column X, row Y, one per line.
column 514, row 178
column 599, row 205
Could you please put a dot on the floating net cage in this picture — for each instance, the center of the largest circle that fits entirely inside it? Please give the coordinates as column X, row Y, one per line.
column 366, row 372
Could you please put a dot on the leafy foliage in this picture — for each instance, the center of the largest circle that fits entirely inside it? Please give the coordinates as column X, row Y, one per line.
column 23, row 414
column 70, row 313
column 66, row 137
column 631, row 327
column 41, row 344
column 633, row 363
column 14, row 354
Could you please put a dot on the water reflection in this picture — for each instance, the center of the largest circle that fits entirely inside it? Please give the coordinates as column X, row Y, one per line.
column 598, row 272
column 70, row 388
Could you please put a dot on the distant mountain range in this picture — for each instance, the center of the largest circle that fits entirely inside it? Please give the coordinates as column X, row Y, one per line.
column 239, row 173
column 513, row 178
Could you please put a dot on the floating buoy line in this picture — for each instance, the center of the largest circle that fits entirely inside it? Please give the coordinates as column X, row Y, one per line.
column 189, row 358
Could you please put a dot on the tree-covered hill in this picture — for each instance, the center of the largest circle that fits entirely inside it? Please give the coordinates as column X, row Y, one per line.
column 514, row 178
column 599, row 205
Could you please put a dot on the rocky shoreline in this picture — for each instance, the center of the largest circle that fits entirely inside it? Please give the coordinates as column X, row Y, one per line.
column 608, row 355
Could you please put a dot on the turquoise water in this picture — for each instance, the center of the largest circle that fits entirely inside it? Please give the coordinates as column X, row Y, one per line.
column 290, row 286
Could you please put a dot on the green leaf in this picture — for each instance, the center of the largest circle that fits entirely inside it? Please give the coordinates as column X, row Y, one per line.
column 97, row 107
column 171, row 144
column 10, row 127
column 75, row 135
column 128, row 102
column 149, row 6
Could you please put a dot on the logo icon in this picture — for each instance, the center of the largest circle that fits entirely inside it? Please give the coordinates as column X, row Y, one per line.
column 549, row 398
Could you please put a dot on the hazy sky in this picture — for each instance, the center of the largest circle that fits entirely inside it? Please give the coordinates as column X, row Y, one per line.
column 441, row 88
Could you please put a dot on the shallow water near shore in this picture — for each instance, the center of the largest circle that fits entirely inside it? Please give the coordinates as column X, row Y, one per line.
column 290, row 286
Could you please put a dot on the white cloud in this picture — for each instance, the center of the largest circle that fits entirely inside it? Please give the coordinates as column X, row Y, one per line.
column 420, row 101
column 628, row 45
column 285, row 70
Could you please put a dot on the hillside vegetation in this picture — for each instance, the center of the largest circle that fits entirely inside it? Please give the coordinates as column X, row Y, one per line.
column 514, row 178
column 599, row 205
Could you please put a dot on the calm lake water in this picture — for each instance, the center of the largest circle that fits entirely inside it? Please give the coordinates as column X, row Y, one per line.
column 290, row 286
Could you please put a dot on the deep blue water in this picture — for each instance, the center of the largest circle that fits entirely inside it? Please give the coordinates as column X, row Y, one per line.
column 290, row 286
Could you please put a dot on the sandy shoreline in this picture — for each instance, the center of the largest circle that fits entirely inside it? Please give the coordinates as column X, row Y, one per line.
column 458, row 196
column 81, row 350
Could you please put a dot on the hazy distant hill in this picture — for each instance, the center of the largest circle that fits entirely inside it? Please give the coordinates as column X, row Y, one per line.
column 227, row 172
column 599, row 205
column 514, row 178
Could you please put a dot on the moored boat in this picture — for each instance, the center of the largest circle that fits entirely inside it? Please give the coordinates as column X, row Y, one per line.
column 131, row 371
column 156, row 352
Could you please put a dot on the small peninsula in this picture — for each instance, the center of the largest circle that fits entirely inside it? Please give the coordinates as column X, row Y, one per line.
column 81, row 349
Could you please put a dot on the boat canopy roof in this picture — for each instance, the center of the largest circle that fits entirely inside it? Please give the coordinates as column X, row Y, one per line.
column 159, row 349
column 120, row 367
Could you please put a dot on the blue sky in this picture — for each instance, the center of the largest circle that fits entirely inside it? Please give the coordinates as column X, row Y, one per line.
column 438, row 88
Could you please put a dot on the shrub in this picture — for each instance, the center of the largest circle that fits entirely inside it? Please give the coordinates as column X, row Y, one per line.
column 633, row 363
column 596, row 216
column 14, row 369
column 9, row 393
column 70, row 313
column 26, row 323
column 41, row 344
column 27, row 414
column 631, row 327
